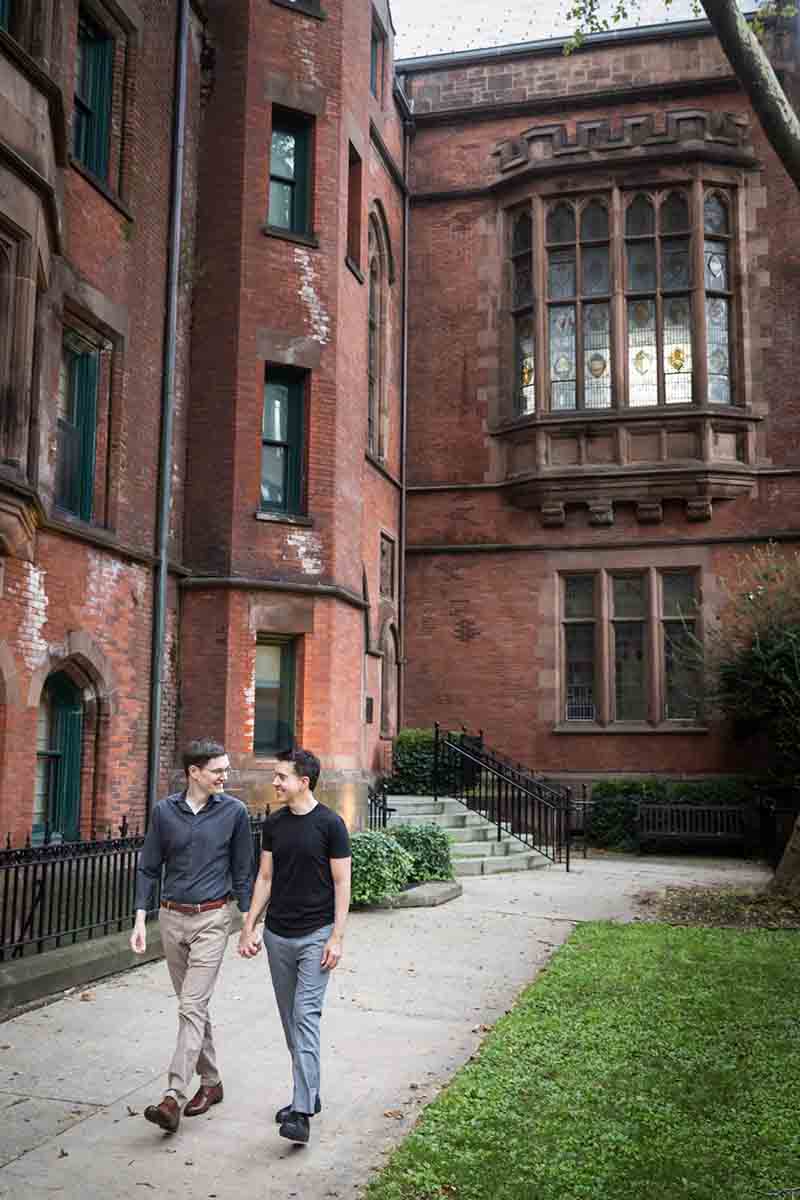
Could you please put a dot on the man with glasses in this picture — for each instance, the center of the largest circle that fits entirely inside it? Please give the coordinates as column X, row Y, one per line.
column 200, row 838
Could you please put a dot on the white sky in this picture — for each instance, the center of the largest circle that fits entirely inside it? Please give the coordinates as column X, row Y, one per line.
column 440, row 26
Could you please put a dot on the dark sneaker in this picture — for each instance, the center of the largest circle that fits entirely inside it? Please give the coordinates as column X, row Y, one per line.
column 296, row 1128
column 283, row 1114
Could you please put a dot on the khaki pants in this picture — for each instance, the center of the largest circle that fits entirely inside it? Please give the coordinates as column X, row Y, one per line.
column 194, row 946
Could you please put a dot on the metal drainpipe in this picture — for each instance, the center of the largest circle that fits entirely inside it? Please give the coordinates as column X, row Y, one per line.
column 407, row 129
column 167, row 406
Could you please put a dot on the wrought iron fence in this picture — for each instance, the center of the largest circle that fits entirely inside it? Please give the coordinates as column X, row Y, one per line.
column 57, row 894
column 510, row 796
column 378, row 811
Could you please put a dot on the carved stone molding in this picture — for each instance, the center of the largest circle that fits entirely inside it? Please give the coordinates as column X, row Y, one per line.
column 17, row 526
column 602, row 138
column 699, row 509
column 649, row 512
column 601, row 512
column 553, row 515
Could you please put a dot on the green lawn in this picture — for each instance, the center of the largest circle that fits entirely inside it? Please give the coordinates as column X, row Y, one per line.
column 647, row 1063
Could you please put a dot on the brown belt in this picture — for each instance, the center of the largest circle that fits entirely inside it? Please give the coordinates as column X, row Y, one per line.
column 190, row 909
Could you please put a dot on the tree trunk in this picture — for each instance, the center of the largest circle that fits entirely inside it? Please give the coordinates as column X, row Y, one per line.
column 787, row 873
column 754, row 71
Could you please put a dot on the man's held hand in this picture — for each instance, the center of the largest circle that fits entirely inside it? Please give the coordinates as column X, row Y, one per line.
column 249, row 943
column 331, row 954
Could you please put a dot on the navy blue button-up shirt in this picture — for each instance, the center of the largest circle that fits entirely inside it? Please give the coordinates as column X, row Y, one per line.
column 205, row 856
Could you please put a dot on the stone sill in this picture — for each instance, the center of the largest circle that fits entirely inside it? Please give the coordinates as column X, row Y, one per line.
column 287, row 235
column 280, row 518
column 306, row 9
column 591, row 727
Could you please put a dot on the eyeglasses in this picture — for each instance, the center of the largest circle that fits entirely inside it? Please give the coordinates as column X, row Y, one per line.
column 220, row 774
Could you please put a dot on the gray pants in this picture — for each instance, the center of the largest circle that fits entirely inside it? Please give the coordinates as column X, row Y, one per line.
column 300, row 983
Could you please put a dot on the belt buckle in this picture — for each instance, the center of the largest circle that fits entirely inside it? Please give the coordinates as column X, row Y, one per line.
column 198, row 908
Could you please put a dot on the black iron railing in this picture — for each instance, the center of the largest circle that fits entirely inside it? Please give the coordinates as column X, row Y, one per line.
column 57, row 894
column 507, row 794
column 378, row 811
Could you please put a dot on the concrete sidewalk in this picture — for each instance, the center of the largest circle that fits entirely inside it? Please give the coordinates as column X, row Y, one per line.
column 405, row 1009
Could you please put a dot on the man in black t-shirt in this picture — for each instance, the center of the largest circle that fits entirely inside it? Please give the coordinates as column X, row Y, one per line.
column 304, row 879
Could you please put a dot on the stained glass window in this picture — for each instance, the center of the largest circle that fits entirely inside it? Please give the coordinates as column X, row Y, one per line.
column 642, row 354
column 717, row 284
column 563, row 361
column 639, row 219
column 682, row 679
column 525, row 366
column 597, row 355
column 677, row 338
column 561, row 223
column 522, row 302
column 674, row 213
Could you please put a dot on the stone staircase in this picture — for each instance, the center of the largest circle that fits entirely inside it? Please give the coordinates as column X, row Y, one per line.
column 475, row 848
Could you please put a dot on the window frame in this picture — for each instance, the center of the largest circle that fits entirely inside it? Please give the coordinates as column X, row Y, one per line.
column 355, row 176
column 655, row 669
column 617, row 198
column 74, row 490
column 61, row 812
column 388, row 544
column 92, row 112
column 377, row 59
column 301, row 126
column 294, row 485
column 287, row 691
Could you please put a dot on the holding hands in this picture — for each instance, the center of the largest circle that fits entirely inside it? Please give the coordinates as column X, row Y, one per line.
column 249, row 943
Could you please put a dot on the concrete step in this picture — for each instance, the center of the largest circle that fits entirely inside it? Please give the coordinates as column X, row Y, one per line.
column 481, row 849
column 452, row 820
column 472, row 833
column 423, row 804
column 500, row 864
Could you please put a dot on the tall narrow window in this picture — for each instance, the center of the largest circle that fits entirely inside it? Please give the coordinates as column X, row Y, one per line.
column 376, row 310
column 658, row 300
column 679, row 632
column 57, row 784
column 5, row 14
column 579, row 647
column 282, row 441
column 93, row 96
column 522, row 306
column 77, row 426
column 387, row 567
column 629, row 597
column 290, row 172
column 354, row 208
column 579, row 313
column 274, row 696
column 376, row 61
column 717, row 282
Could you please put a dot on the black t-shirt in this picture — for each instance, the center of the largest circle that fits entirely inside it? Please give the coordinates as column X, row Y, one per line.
column 302, row 896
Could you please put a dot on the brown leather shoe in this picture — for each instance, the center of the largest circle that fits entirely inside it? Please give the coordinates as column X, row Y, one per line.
column 166, row 1115
column 202, row 1100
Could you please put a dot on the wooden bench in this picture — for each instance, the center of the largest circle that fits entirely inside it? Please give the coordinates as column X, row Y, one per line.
column 710, row 823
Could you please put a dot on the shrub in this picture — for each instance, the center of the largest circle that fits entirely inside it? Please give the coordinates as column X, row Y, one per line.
column 429, row 847
column 412, row 764
column 381, row 867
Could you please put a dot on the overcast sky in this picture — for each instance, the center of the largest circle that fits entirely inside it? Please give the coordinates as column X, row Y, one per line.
column 439, row 26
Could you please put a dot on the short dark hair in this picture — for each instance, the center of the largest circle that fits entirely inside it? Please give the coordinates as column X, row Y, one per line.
column 305, row 763
column 201, row 751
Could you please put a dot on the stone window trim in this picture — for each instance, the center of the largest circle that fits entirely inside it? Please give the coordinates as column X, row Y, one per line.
column 530, row 367
column 307, row 8
column 591, row 671
column 378, row 283
column 290, row 184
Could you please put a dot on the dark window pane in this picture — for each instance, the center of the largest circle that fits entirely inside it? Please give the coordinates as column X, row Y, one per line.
column 596, row 280
column 674, row 216
column 273, row 476
column 682, row 677
column 639, row 219
column 561, row 274
column 523, row 281
column 715, row 215
column 522, row 239
column 578, row 595
column 630, row 596
column 594, row 222
column 525, row 389
column 677, row 351
column 719, row 370
column 674, row 265
column 641, row 266
column 679, row 593
column 562, row 357
column 561, row 223
column 642, row 354
column 629, row 671
column 579, row 641
column 597, row 356
column 274, row 698
column 280, row 204
column 716, row 268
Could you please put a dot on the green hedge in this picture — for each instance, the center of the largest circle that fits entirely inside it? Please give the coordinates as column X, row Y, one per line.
column 412, row 764
column 381, row 867
column 611, row 821
column 429, row 847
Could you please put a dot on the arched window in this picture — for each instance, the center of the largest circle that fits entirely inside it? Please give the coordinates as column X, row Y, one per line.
column 380, row 274
column 59, row 737
column 389, row 682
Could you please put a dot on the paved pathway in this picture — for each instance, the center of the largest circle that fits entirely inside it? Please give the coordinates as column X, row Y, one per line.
column 405, row 1009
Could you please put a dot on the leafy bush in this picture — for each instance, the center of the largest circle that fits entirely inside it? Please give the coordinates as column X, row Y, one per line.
column 611, row 821
column 381, row 866
column 429, row 847
column 412, row 764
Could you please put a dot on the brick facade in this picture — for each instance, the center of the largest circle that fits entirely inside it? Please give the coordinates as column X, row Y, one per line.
column 499, row 505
